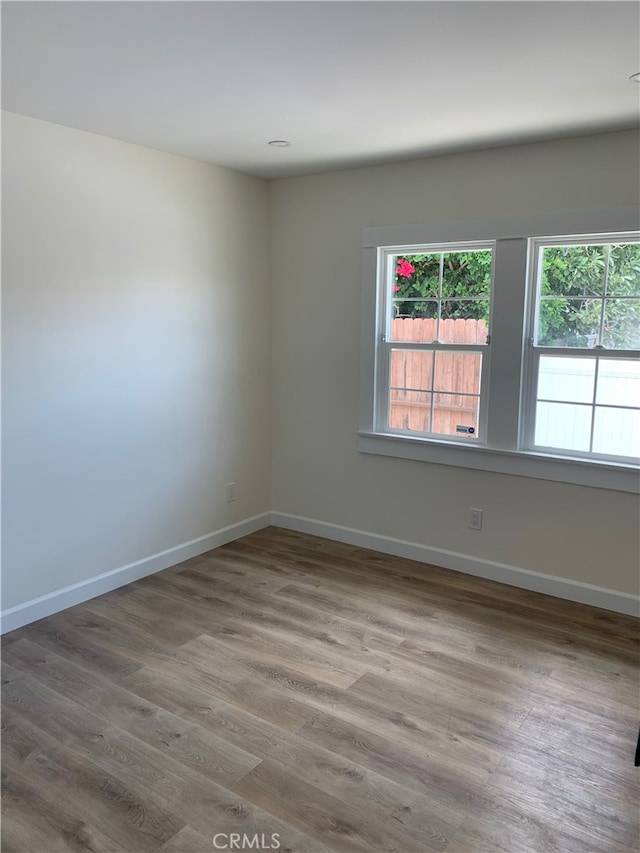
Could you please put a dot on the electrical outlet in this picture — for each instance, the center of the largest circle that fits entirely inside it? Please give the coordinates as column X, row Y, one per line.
column 475, row 519
column 231, row 492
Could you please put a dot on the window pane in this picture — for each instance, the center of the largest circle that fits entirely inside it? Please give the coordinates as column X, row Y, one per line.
column 573, row 271
column 624, row 270
column 566, row 379
column 410, row 411
column 617, row 432
column 456, row 403
column 621, row 324
column 618, row 382
column 569, row 322
column 563, row 425
column 464, row 321
column 416, row 276
column 466, row 273
column 455, row 415
column 410, row 370
column 458, row 373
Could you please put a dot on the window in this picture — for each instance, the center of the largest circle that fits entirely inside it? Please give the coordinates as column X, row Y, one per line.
column 493, row 345
column 586, row 340
column 436, row 307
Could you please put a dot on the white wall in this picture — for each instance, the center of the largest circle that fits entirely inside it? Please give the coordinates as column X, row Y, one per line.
column 136, row 347
column 136, row 353
column 572, row 532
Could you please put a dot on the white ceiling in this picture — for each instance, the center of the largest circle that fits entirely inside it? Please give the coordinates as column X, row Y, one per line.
column 348, row 83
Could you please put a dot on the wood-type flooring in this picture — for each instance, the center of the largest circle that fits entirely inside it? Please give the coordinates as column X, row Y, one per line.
column 289, row 692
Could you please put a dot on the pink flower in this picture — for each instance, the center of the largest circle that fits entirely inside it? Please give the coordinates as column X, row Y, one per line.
column 396, row 288
column 404, row 268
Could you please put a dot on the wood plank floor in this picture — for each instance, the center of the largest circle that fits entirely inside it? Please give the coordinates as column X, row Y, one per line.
column 338, row 698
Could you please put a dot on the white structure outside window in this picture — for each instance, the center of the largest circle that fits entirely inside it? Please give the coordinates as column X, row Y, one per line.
column 502, row 346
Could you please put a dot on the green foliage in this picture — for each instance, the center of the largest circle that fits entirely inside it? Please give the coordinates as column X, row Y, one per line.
column 464, row 275
column 573, row 274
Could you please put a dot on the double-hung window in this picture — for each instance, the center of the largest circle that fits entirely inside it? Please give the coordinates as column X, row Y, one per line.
column 506, row 345
column 584, row 380
column 433, row 355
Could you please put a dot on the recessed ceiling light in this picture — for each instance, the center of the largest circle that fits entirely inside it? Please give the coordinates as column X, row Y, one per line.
column 635, row 77
column 279, row 143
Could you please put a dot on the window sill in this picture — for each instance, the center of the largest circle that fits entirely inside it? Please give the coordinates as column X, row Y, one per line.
column 560, row 469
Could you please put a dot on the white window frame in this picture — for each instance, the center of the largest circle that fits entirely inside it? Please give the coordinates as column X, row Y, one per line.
column 386, row 344
column 535, row 351
column 504, row 450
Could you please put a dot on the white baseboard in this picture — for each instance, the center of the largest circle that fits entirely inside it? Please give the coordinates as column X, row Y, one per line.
column 45, row 605
column 585, row 593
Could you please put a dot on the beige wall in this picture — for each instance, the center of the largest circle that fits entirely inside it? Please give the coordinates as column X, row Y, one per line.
column 136, row 353
column 136, row 342
column 583, row 534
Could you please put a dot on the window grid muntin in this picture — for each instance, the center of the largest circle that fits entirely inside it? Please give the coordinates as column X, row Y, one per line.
column 587, row 405
column 595, row 381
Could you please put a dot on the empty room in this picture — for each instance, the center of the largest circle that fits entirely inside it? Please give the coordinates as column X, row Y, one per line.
column 320, row 426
